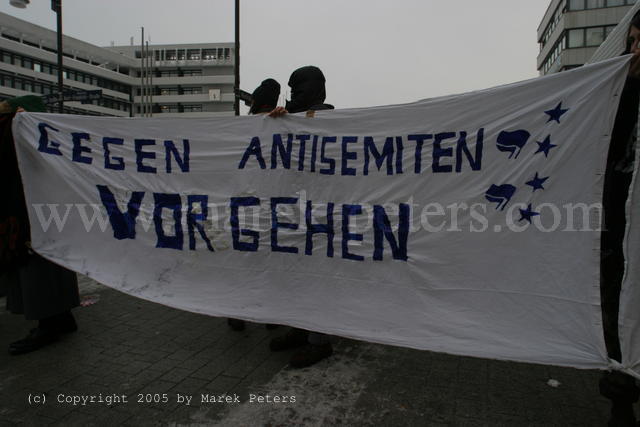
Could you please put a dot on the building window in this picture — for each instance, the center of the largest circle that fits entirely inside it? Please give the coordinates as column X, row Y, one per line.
column 46, row 68
column 171, row 55
column 169, row 73
column 588, row 37
column 555, row 53
column 209, row 54
column 192, row 90
column 553, row 22
column 594, row 36
column 169, row 91
column 576, row 38
column 576, row 4
column 7, row 58
column 595, row 4
column 7, row 36
column 192, row 108
column 7, row 81
column 169, row 109
column 193, row 54
column 181, row 55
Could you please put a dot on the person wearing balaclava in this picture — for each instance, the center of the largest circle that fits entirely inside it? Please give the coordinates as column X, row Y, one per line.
column 263, row 100
column 265, row 97
column 307, row 90
column 307, row 94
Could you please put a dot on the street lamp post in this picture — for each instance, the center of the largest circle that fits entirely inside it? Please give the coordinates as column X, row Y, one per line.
column 236, row 103
column 56, row 6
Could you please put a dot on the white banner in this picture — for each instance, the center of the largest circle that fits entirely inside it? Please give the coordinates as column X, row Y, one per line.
column 467, row 224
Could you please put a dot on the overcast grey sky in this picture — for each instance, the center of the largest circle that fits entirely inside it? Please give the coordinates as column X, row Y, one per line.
column 373, row 52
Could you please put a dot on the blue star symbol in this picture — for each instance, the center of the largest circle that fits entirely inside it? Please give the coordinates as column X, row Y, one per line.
column 545, row 146
column 556, row 113
column 527, row 214
column 537, row 182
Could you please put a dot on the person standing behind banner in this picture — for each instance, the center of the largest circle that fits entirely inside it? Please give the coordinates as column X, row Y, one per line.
column 307, row 94
column 263, row 100
column 36, row 287
column 619, row 387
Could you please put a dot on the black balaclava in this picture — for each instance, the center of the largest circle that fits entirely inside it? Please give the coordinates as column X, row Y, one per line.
column 307, row 89
column 265, row 97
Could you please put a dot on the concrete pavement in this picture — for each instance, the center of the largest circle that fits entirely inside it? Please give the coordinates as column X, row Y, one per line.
column 135, row 363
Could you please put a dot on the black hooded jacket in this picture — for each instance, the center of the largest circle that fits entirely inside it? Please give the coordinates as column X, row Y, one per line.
column 307, row 90
column 265, row 97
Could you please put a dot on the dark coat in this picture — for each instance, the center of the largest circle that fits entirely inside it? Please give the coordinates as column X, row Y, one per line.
column 34, row 286
column 617, row 180
column 41, row 289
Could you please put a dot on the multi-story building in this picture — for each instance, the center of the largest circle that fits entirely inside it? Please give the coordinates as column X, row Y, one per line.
column 571, row 31
column 188, row 80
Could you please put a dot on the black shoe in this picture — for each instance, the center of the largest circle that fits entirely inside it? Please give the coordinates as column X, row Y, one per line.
column 236, row 324
column 66, row 323
column 61, row 323
column 622, row 416
column 310, row 355
column 292, row 339
column 623, row 392
column 271, row 326
column 38, row 337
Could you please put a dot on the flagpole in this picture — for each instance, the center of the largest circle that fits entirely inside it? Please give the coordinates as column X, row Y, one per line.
column 56, row 5
column 236, row 102
column 147, row 86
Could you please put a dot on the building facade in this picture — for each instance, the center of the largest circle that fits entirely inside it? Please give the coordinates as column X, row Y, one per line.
column 187, row 80
column 571, row 31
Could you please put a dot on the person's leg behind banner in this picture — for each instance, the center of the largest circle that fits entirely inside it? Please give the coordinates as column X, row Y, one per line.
column 46, row 292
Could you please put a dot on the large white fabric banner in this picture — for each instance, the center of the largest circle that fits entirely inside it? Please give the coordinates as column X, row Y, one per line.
column 467, row 224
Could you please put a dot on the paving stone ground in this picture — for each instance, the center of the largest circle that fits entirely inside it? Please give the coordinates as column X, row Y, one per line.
column 164, row 360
